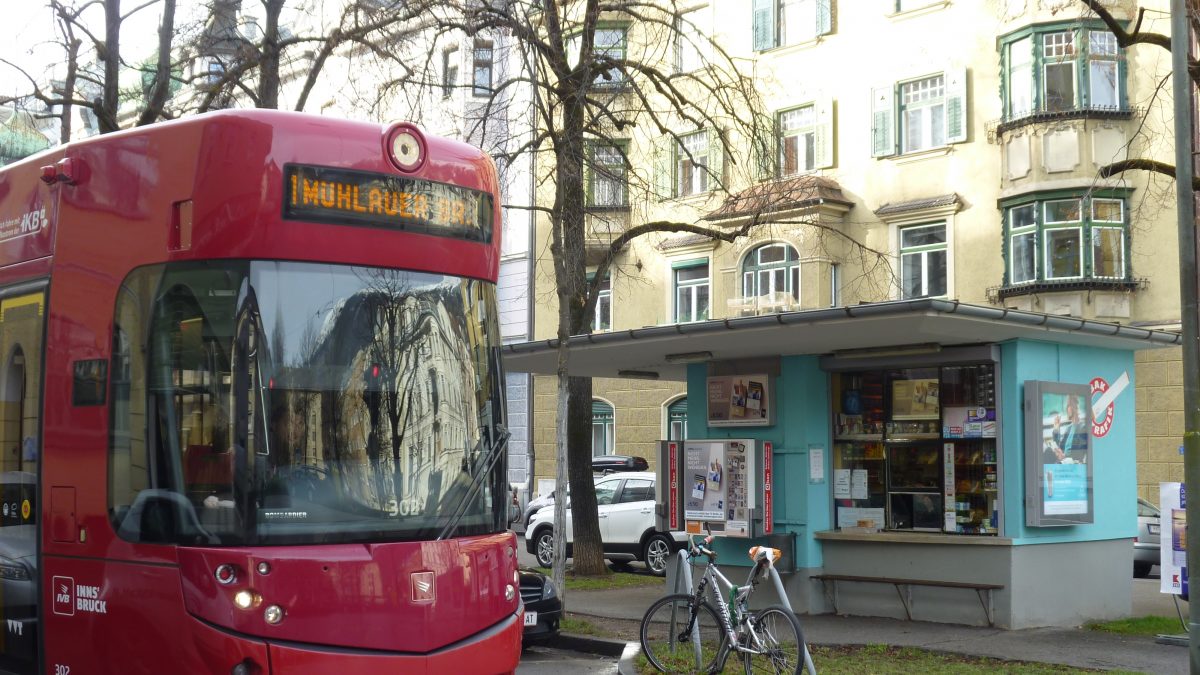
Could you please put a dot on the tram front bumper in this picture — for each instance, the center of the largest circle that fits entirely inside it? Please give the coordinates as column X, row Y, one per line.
column 495, row 650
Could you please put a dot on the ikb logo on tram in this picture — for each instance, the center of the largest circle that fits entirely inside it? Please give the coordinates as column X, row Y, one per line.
column 69, row 598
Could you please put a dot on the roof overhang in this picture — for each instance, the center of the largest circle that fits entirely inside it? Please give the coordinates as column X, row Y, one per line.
column 663, row 352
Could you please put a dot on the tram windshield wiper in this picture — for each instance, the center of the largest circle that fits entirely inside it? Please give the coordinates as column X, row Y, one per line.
column 494, row 453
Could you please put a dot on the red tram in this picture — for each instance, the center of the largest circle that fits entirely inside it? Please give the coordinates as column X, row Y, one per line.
column 251, row 405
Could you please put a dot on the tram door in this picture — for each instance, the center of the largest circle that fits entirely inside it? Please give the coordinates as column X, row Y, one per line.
column 22, row 324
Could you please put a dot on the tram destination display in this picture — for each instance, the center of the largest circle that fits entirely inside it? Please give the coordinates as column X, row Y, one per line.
column 341, row 197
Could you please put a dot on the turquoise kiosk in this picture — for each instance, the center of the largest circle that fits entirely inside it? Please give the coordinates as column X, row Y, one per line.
column 928, row 459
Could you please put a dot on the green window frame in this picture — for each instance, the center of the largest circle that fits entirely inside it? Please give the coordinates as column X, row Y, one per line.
column 607, row 174
column 449, row 71
column 924, row 260
column 693, row 46
column 602, row 316
column 604, row 428
column 919, row 114
column 798, row 131
column 691, row 290
column 771, row 268
column 481, row 79
column 610, row 40
column 1058, row 68
column 677, row 420
column 923, row 113
column 780, row 23
column 1067, row 237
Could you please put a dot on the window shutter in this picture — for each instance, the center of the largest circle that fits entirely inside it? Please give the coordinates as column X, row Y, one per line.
column 824, row 136
column 716, row 160
column 764, row 24
column 824, row 17
column 883, row 125
column 956, row 105
column 664, row 168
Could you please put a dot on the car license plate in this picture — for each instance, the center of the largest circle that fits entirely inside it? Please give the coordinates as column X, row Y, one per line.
column 1152, row 527
column 530, row 618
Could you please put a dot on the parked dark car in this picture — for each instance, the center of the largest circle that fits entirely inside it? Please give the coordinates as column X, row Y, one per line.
column 610, row 463
column 543, row 609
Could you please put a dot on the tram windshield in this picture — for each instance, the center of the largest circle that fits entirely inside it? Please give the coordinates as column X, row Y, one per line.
column 293, row 403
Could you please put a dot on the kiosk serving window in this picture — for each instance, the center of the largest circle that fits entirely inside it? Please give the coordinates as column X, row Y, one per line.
column 915, row 449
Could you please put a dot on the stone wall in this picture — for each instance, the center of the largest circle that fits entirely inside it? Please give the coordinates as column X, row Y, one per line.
column 1159, row 400
column 638, row 409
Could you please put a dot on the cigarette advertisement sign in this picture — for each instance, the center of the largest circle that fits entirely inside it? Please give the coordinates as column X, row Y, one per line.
column 740, row 401
column 717, row 478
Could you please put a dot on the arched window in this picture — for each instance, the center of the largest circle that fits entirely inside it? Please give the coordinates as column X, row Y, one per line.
column 677, row 420
column 603, row 428
column 771, row 269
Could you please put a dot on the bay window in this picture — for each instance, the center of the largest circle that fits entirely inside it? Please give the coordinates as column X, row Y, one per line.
column 1066, row 238
column 1062, row 68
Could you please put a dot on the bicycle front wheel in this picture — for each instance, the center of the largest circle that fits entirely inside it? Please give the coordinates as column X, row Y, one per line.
column 680, row 635
column 777, row 643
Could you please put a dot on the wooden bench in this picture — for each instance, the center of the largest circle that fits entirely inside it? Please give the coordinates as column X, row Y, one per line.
column 983, row 591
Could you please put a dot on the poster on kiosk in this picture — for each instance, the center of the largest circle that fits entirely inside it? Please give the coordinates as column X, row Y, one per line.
column 719, row 483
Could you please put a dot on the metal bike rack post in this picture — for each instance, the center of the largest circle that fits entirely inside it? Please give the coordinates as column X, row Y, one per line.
column 783, row 598
column 684, row 571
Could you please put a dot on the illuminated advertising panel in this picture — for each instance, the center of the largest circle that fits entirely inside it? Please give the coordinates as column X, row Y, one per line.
column 1058, row 454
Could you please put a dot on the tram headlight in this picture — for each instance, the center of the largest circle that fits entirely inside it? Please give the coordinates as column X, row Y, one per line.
column 247, row 599
column 273, row 614
column 405, row 147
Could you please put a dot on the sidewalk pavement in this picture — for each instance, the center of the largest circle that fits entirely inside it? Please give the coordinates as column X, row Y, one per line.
column 1072, row 647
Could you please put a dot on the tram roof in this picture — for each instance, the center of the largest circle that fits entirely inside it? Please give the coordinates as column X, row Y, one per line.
column 663, row 352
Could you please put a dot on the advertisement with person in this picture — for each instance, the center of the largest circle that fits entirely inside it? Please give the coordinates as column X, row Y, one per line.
column 1058, row 453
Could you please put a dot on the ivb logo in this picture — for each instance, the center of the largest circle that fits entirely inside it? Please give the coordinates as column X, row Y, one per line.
column 64, row 595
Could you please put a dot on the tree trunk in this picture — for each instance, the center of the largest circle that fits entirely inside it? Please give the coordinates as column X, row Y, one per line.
column 571, row 280
column 162, row 70
column 106, row 111
column 268, row 70
column 73, row 44
column 588, row 546
column 559, row 571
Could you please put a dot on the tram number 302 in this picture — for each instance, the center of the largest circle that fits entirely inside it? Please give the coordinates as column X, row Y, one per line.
column 60, row 669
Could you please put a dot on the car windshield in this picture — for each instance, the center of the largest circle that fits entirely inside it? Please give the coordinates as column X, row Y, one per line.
column 305, row 403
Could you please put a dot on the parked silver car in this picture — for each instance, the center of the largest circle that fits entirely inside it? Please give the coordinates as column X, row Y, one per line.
column 1145, row 545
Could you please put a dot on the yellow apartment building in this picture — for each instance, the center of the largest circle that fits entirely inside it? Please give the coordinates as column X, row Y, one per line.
column 920, row 149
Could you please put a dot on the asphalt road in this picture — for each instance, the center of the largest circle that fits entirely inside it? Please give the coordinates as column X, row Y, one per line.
column 547, row 661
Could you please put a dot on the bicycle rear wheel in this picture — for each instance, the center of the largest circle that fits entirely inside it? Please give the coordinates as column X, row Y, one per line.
column 675, row 643
column 780, row 643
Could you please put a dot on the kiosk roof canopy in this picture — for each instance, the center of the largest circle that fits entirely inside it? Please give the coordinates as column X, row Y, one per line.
column 663, row 352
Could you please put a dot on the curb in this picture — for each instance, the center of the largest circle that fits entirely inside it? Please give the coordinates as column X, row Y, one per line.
column 626, row 665
column 590, row 644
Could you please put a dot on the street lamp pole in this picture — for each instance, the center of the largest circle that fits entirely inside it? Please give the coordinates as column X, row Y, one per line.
column 1190, row 323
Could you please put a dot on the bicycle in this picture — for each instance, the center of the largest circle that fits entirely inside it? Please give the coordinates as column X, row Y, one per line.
column 698, row 638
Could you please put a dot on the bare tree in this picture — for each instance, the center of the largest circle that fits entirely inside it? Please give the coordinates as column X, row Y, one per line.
column 592, row 88
column 94, row 83
column 295, row 46
column 1134, row 36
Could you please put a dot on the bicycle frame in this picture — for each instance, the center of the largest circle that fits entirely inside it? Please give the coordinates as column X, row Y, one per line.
column 731, row 643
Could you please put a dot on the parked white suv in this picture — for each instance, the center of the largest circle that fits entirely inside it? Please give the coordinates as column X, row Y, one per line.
column 625, row 505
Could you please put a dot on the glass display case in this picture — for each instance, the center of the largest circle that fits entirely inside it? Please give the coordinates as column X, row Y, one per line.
column 915, row 449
